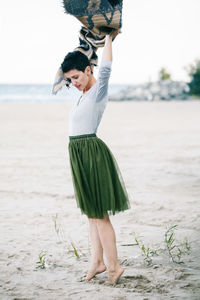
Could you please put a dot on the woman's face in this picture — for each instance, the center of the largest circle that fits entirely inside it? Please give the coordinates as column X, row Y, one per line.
column 78, row 78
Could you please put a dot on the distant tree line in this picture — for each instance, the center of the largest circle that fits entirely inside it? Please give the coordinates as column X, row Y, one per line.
column 194, row 73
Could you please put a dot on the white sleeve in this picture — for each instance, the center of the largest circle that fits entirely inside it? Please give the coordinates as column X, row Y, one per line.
column 103, row 78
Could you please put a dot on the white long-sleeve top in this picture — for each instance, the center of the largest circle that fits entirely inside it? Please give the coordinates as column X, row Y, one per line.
column 86, row 114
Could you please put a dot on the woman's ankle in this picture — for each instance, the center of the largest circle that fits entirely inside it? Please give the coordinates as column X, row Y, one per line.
column 113, row 267
column 97, row 262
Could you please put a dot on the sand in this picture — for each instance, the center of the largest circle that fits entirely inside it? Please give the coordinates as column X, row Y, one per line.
column 157, row 146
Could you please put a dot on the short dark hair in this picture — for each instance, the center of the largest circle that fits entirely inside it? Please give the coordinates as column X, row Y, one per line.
column 75, row 60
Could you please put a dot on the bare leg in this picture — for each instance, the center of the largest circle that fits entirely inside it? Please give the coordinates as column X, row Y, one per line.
column 108, row 241
column 97, row 262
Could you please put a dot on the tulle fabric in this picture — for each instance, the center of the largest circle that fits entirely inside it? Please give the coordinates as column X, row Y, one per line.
column 98, row 183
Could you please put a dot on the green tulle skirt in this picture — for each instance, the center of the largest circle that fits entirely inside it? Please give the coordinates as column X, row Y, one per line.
column 98, row 184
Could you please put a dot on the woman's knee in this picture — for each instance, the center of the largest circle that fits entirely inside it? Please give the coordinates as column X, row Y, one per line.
column 92, row 221
column 98, row 220
column 105, row 220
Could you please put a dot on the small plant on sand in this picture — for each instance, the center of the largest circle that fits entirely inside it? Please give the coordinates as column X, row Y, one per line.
column 61, row 236
column 186, row 245
column 56, row 227
column 41, row 264
column 75, row 251
column 147, row 252
column 175, row 250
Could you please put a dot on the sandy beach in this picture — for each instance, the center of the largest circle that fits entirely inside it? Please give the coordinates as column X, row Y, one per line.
column 157, row 147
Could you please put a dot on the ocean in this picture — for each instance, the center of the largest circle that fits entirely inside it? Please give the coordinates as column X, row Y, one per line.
column 42, row 93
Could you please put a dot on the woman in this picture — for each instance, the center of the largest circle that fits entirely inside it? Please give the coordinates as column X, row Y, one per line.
column 98, row 185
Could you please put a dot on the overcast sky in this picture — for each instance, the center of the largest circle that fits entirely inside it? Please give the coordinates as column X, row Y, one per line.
column 37, row 34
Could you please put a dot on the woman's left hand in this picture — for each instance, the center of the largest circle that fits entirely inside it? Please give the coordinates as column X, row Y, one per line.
column 114, row 33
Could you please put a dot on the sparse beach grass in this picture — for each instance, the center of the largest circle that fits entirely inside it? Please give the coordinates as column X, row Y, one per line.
column 41, row 264
column 66, row 242
column 174, row 249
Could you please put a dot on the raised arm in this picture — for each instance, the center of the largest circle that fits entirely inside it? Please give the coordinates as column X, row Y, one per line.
column 107, row 50
column 105, row 67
